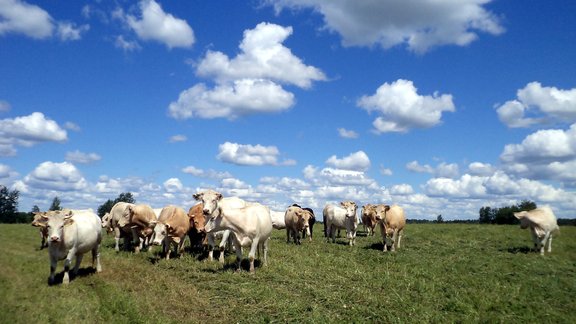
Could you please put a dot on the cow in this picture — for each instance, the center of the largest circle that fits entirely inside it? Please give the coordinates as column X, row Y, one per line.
column 196, row 233
column 392, row 221
column 140, row 218
column 277, row 219
column 543, row 225
column 40, row 222
column 111, row 222
column 343, row 216
column 171, row 228
column 369, row 218
column 212, row 202
column 251, row 226
column 311, row 222
column 71, row 234
column 296, row 220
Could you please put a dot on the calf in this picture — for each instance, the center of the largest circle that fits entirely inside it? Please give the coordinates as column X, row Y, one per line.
column 296, row 220
column 71, row 234
column 171, row 229
column 392, row 222
column 369, row 219
column 343, row 216
column 542, row 223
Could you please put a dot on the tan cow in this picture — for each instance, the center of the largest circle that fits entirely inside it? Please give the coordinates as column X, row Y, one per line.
column 171, row 229
column 140, row 218
column 197, row 234
column 296, row 220
column 392, row 221
column 542, row 223
column 369, row 218
column 40, row 222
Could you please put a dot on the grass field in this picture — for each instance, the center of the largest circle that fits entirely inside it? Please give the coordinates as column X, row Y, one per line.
column 444, row 273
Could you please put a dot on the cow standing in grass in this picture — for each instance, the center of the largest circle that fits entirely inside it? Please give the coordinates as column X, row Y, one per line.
column 392, row 221
column 369, row 219
column 297, row 221
column 341, row 217
column 171, row 229
column 111, row 222
column 40, row 222
column 542, row 223
column 71, row 234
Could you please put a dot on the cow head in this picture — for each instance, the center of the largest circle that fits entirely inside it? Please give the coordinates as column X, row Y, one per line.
column 524, row 221
column 350, row 207
column 159, row 232
column 55, row 224
column 305, row 219
column 196, row 217
column 106, row 222
column 381, row 212
column 39, row 220
column 209, row 199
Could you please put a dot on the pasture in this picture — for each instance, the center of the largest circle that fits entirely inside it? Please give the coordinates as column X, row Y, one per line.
column 443, row 273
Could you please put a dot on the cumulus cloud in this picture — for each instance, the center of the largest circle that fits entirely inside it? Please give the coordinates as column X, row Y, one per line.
column 262, row 56
column 157, row 25
column 28, row 131
column 443, row 170
column 242, row 97
column 546, row 154
column 418, row 24
column 173, row 185
column 401, row 108
column 344, row 133
column 68, row 31
column 56, row 176
column 82, row 158
column 536, row 104
column 358, row 161
column 480, row 169
column 126, row 45
column 19, row 17
column 254, row 155
column 249, row 83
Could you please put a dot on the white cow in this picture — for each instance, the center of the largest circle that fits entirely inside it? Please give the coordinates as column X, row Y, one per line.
column 210, row 200
column 278, row 219
column 343, row 216
column 542, row 223
column 71, row 234
column 251, row 225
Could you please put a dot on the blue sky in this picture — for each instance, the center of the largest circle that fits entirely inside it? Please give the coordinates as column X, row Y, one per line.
column 441, row 107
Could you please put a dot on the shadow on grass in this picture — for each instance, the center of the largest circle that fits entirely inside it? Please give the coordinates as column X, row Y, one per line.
column 231, row 266
column 377, row 246
column 518, row 249
column 82, row 272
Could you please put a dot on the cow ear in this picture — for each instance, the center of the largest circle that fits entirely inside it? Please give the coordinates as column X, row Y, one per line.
column 168, row 228
column 386, row 207
column 197, row 196
column 219, row 196
column 68, row 219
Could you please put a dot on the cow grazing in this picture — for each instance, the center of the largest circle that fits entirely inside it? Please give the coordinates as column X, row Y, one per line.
column 112, row 220
column 311, row 222
column 212, row 202
column 171, row 228
column 297, row 220
column 140, row 220
column 392, row 221
column 369, row 218
column 196, row 233
column 71, row 234
column 277, row 219
column 542, row 224
column 40, row 222
column 343, row 216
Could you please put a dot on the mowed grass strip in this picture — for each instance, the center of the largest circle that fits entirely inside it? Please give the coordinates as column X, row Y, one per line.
column 442, row 273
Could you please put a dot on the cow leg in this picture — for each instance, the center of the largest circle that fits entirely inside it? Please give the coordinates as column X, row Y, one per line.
column 225, row 237
column 96, row 258
column 333, row 233
column 252, row 254
column 166, row 248
column 53, row 263
column 550, row 243
column 400, row 234
column 265, row 245
column 79, row 258
column 288, row 235
column 394, row 238
column 211, row 245
column 117, row 235
column 238, row 254
column 67, row 261
column 543, row 242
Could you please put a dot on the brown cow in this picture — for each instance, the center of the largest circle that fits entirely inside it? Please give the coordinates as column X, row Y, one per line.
column 197, row 234
column 140, row 221
column 296, row 220
column 369, row 218
column 40, row 221
column 171, row 229
column 392, row 221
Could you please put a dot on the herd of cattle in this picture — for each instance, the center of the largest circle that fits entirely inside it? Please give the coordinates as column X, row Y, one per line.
column 232, row 221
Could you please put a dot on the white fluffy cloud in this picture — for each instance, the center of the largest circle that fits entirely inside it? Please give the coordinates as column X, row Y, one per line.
column 56, row 176
column 211, row 174
column 536, row 104
column 242, row 97
column 20, row 17
column 358, row 161
column 420, row 24
column 249, row 83
column 401, row 108
column 255, row 155
column 28, row 131
column 160, row 26
column 443, row 170
column 262, row 57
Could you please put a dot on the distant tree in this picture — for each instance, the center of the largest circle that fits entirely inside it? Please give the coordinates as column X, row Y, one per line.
column 55, row 204
column 439, row 219
column 107, row 206
column 486, row 215
column 504, row 215
column 35, row 209
column 8, row 204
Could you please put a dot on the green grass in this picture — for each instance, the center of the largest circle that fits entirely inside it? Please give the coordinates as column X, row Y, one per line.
column 443, row 273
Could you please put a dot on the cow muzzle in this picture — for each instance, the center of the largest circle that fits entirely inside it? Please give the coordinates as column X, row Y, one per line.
column 55, row 239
